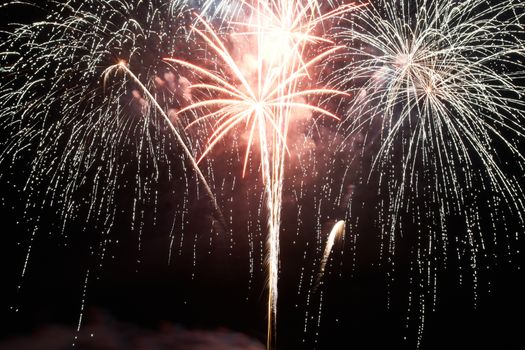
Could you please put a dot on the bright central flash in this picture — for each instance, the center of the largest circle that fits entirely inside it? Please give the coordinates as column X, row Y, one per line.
column 262, row 91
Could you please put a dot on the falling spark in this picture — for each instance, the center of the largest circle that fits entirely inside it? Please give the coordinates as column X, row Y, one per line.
column 337, row 231
column 123, row 67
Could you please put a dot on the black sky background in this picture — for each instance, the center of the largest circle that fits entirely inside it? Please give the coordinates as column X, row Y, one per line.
column 218, row 292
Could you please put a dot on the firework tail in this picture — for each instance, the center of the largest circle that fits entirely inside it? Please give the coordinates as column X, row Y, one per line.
column 337, row 231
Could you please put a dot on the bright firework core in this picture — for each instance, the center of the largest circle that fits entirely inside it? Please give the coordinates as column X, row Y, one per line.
column 264, row 95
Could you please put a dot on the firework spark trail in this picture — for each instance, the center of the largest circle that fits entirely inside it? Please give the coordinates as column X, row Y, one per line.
column 337, row 231
column 265, row 105
column 123, row 66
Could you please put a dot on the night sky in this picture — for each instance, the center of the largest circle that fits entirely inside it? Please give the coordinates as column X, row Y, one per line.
column 208, row 295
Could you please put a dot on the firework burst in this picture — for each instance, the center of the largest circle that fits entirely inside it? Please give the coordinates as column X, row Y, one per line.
column 65, row 103
column 266, row 96
column 438, row 89
column 445, row 78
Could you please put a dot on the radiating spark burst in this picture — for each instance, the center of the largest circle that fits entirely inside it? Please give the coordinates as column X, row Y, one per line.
column 447, row 69
column 268, row 94
column 88, row 136
column 80, row 133
column 439, row 84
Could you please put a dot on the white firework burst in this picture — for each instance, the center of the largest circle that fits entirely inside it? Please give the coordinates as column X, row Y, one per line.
column 440, row 84
column 438, row 100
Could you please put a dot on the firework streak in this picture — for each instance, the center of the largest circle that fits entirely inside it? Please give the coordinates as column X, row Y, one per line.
column 337, row 231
